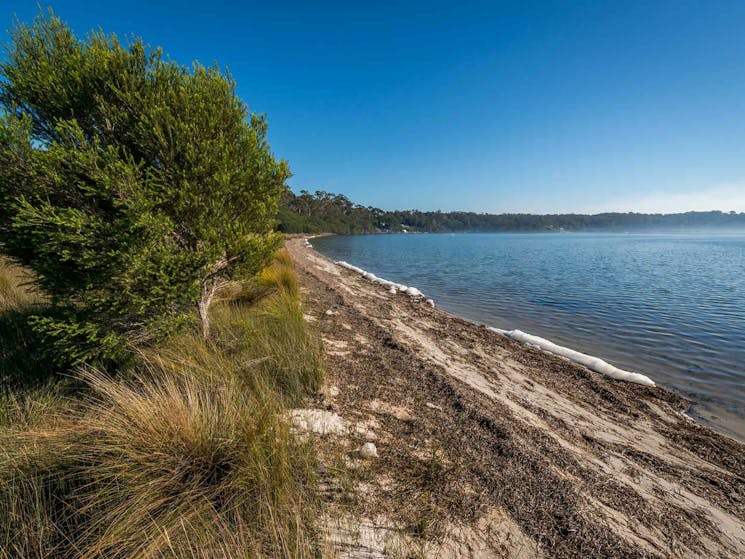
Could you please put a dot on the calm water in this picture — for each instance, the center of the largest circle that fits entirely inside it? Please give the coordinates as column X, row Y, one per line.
column 669, row 306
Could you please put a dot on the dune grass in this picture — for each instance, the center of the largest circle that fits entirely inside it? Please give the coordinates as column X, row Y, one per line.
column 281, row 274
column 159, row 465
column 185, row 454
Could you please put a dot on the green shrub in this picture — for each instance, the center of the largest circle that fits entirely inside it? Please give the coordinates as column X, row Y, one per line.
column 187, row 454
column 132, row 186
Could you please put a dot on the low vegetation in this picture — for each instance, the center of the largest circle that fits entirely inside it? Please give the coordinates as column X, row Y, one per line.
column 186, row 453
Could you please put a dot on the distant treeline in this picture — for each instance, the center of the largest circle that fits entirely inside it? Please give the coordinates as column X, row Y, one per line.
column 335, row 213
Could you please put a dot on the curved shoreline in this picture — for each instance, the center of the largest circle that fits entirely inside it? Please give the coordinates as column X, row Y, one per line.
column 689, row 413
column 590, row 361
column 708, row 412
column 618, row 460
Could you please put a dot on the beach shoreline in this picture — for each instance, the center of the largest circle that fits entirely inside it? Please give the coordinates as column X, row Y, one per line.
column 647, row 330
column 627, row 473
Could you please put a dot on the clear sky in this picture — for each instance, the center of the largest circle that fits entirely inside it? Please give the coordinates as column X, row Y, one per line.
column 537, row 107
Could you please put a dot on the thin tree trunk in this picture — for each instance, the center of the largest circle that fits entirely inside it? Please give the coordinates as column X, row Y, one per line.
column 209, row 286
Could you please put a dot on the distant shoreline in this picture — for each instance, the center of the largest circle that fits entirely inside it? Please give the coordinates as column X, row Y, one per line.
column 710, row 231
column 325, row 211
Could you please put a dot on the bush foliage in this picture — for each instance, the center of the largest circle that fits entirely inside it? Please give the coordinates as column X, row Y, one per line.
column 135, row 196
column 132, row 186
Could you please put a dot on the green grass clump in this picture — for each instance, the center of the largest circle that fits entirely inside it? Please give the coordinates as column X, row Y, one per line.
column 276, row 338
column 280, row 274
column 186, row 454
column 267, row 344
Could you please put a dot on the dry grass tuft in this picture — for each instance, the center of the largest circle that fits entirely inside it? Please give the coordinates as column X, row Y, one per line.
column 21, row 361
column 30, row 408
column 160, row 465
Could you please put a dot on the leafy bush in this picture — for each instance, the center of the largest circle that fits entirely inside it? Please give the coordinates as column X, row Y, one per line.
column 132, row 186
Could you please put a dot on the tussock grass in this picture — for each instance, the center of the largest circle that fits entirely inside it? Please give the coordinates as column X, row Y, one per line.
column 268, row 344
column 282, row 257
column 160, row 465
column 275, row 336
column 278, row 276
column 430, row 492
column 22, row 409
column 187, row 454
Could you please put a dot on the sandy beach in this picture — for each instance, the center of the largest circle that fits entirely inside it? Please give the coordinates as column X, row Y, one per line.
column 490, row 448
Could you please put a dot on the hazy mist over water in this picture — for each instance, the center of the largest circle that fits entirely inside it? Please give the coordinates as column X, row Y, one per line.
column 671, row 306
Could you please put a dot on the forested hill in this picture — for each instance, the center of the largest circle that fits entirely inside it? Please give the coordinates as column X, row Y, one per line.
column 335, row 213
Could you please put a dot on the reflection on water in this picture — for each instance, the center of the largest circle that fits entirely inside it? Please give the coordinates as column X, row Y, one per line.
column 669, row 306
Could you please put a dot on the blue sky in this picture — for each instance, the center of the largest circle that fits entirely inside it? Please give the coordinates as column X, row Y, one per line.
column 537, row 107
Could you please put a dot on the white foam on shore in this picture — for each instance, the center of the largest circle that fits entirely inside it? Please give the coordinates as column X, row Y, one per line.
column 592, row 363
column 394, row 287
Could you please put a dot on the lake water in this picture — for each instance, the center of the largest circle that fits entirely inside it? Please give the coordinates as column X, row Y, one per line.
column 669, row 306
